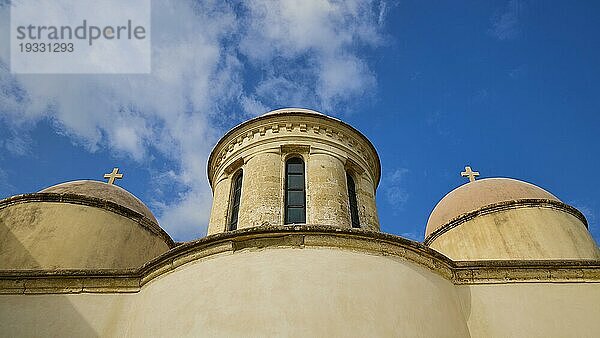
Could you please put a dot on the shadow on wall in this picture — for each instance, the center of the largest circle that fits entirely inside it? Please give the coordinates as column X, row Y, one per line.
column 464, row 296
column 37, row 315
column 12, row 252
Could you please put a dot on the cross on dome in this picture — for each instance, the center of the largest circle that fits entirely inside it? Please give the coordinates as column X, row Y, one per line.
column 469, row 173
column 113, row 175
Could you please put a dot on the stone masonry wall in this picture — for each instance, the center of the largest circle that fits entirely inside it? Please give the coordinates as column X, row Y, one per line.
column 259, row 147
column 261, row 191
column 328, row 203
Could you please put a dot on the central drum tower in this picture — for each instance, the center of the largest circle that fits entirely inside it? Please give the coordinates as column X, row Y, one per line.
column 293, row 166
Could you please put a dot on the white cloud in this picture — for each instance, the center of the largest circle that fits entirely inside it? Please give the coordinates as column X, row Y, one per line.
column 6, row 188
column 343, row 78
column 393, row 188
column 166, row 111
column 414, row 235
column 252, row 106
column 305, row 53
column 323, row 38
column 383, row 10
column 16, row 144
column 505, row 25
column 592, row 217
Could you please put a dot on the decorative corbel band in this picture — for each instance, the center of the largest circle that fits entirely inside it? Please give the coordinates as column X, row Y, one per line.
column 228, row 147
column 255, row 129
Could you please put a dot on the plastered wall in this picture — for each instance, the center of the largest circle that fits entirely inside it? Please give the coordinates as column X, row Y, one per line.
column 532, row 309
column 301, row 293
column 256, row 293
column 525, row 233
column 314, row 292
column 49, row 235
column 82, row 315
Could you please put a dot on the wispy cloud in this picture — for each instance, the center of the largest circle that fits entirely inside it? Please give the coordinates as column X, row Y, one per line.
column 414, row 235
column 16, row 144
column 166, row 112
column 300, row 53
column 518, row 72
column 592, row 217
column 393, row 188
column 383, row 10
column 309, row 50
column 6, row 188
column 506, row 24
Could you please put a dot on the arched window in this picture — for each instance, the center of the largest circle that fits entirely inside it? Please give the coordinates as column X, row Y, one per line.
column 295, row 195
column 236, row 192
column 352, row 200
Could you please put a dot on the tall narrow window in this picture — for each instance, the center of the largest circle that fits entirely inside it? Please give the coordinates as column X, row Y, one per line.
column 295, row 197
column 352, row 200
column 236, row 192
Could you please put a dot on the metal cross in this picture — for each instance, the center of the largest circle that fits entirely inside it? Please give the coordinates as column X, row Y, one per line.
column 469, row 173
column 113, row 175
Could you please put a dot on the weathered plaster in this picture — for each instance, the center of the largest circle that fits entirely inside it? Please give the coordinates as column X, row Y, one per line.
column 305, row 236
column 522, row 229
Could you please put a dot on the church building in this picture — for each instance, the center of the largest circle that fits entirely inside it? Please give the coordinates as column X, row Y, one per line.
column 294, row 249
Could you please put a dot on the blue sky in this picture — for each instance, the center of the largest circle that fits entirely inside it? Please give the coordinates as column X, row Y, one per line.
column 509, row 87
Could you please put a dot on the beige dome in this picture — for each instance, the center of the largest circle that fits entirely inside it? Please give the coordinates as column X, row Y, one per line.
column 477, row 194
column 109, row 192
column 292, row 110
column 503, row 218
column 79, row 225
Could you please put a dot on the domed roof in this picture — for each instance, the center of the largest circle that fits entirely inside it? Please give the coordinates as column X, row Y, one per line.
column 477, row 194
column 293, row 110
column 105, row 191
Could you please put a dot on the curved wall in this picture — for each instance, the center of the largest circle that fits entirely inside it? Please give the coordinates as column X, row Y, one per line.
column 299, row 292
column 260, row 200
column 527, row 233
column 314, row 292
column 532, row 309
column 307, row 282
column 51, row 235
column 328, row 201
